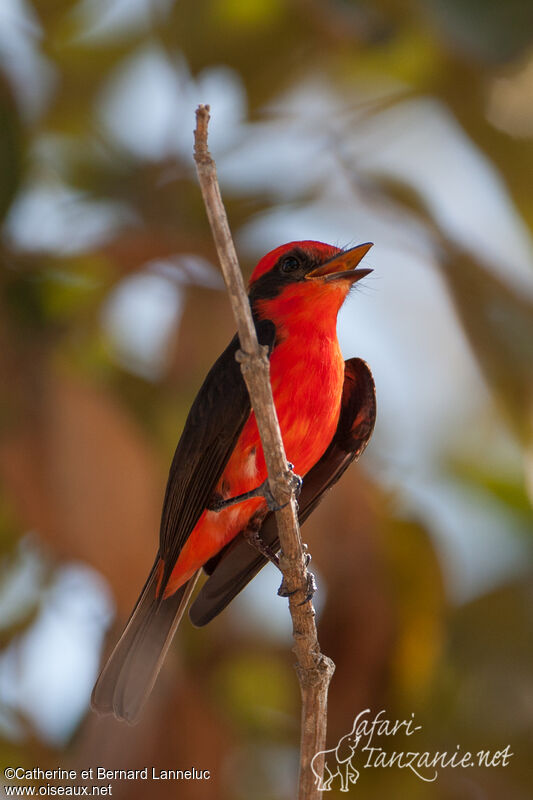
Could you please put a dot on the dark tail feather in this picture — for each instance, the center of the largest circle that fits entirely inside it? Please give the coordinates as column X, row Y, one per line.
column 240, row 563
column 132, row 668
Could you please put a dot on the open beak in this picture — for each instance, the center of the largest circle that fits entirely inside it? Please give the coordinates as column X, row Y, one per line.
column 343, row 266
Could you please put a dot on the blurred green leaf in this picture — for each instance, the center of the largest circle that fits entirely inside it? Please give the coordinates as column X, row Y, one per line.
column 509, row 490
column 257, row 691
column 499, row 324
column 488, row 29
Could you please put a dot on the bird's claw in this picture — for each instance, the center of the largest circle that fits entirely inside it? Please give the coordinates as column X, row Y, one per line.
column 306, row 554
column 253, row 537
column 284, row 591
column 311, row 588
column 295, row 484
column 294, row 480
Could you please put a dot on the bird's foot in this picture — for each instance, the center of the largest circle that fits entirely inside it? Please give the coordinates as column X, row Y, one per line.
column 295, row 486
column 311, row 588
column 284, row 591
column 218, row 504
column 253, row 536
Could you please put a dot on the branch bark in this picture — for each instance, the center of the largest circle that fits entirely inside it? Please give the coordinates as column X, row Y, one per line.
column 314, row 670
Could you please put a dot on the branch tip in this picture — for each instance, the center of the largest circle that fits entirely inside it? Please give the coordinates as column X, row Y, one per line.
column 201, row 153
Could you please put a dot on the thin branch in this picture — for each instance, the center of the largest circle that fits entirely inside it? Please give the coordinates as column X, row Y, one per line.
column 313, row 668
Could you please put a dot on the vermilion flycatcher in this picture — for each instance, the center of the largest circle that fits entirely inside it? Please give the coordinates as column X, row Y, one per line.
column 326, row 410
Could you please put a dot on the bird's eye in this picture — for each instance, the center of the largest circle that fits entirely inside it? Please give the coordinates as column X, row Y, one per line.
column 290, row 264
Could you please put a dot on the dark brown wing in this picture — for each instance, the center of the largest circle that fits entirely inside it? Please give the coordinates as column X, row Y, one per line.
column 211, row 430
column 239, row 562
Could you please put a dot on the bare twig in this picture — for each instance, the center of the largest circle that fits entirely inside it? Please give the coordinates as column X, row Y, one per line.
column 313, row 668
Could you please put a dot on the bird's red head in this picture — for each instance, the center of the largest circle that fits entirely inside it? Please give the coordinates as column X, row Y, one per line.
column 305, row 279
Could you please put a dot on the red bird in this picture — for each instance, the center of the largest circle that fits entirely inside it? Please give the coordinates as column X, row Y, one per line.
column 326, row 411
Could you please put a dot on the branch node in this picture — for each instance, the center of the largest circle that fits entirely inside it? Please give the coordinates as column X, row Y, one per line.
column 322, row 669
column 250, row 361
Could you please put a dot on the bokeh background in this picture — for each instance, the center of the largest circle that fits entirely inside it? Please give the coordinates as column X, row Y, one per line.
column 409, row 124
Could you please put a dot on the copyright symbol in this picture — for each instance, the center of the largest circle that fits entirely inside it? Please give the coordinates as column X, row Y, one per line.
column 9, row 773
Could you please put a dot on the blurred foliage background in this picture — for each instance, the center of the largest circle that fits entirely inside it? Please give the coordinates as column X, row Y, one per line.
column 409, row 124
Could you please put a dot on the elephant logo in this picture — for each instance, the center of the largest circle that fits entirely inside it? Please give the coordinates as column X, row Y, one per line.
column 338, row 763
